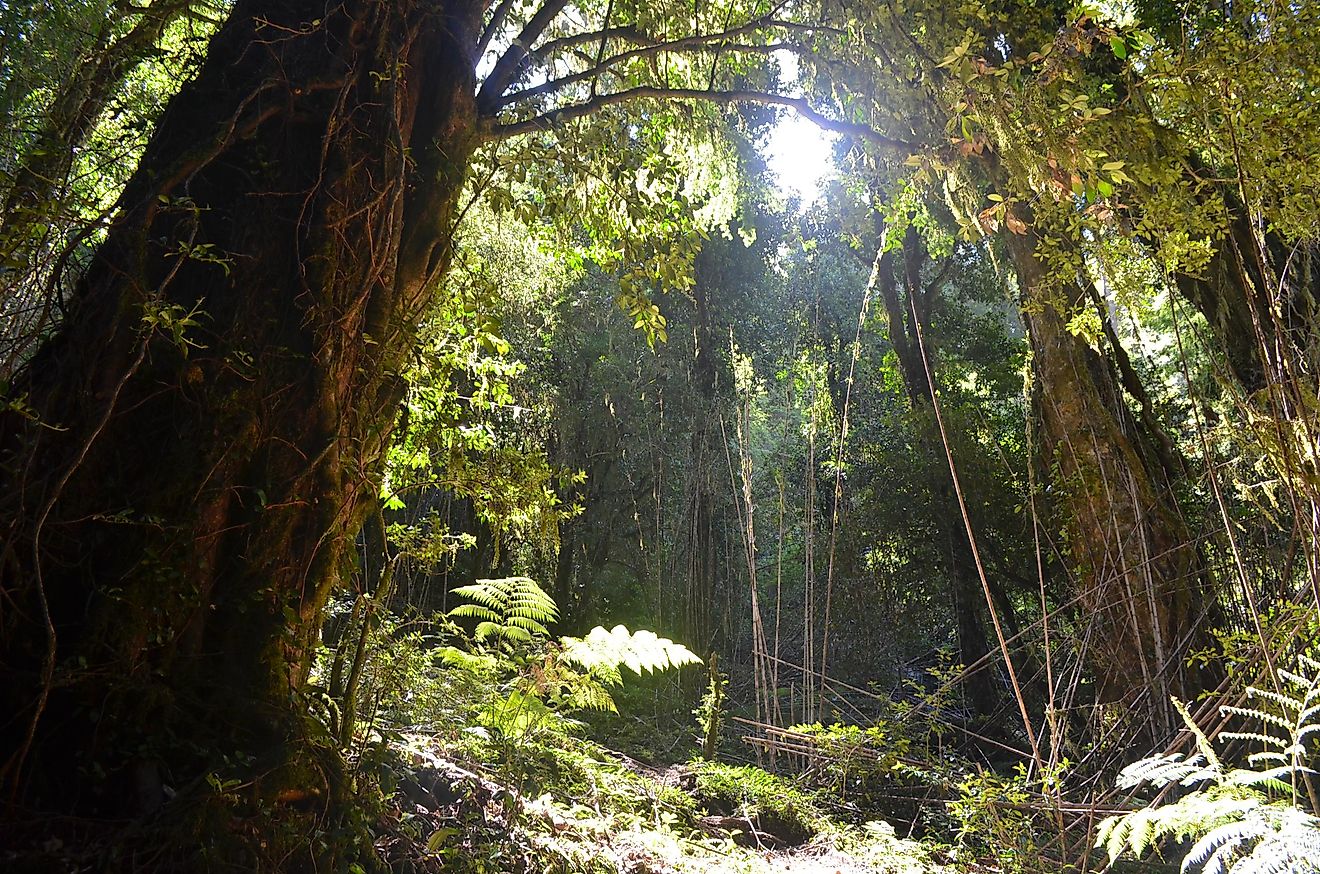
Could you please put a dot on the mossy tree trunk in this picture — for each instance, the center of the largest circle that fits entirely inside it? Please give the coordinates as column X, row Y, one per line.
column 1138, row 573
column 206, row 430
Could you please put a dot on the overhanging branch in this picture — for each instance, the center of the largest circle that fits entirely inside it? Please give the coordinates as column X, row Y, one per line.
column 607, row 64
column 645, row 45
column 511, row 63
column 496, row 23
column 800, row 105
column 626, row 33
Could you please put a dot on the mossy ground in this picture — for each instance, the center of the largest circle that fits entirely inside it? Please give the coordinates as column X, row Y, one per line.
column 572, row 806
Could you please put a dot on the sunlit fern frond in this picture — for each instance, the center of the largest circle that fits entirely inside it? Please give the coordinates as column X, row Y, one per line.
column 1203, row 744
column 1188, row 817
column 1239, row 826
column 507, row 609
column 1276, row 780
column 585, row 693
column 601, row 653
column 1268, row 740
column 516, row 714
column 1287, row 841
column 1160, row 771
column 1216, row 850
column 1259, row 715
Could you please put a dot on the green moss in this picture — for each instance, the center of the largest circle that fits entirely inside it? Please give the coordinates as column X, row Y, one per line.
column 779, row 805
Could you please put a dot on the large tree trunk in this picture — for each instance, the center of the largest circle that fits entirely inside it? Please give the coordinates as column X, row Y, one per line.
column 183, row 499
column 1139, row 573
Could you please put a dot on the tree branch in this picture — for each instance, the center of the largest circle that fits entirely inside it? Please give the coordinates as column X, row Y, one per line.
column 497, row 19
column 512, row 62
column 626, row 32
column 566, row 114
column 607, row 64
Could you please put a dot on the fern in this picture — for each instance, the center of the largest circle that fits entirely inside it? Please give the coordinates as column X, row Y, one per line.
column 1238, row 828
column 601, row 653
column 519, row 713
column 1160, row 771
column 511, row 609
column 548, row 681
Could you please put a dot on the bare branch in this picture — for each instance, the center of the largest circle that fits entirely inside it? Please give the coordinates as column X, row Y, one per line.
column 497, row 20
column 711, row 42
column 600, row 49
column 800, row 105
column 513, row 62
column 626, row 32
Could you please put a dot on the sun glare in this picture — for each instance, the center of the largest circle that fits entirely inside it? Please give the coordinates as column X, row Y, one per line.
column 801, row 156
column 799, row 153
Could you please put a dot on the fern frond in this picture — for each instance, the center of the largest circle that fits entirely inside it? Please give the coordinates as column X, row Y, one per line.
column 1258, row 715
column 1307, row 685
column 1189, row 817
column 507, row 609
column 1203, row 745
column 527, row 624
column 470, row 661
column 1284, row 701
column 589, row 695
column 1160, row 771
column 487, row 629
column 1238, row 830
column 1217, row 846
column 1284, row 852
column 1113, row 835
column 517, row 714
column 1266, row 739
column 1272, row 780
column 601, row 652
column 1104, row 833
column 1307, row 731
column 490, row 597
column 475, row 611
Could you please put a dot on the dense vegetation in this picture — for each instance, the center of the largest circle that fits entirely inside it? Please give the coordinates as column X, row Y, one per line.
column 431, row 440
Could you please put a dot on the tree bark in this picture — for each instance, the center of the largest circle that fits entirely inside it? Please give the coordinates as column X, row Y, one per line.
column 965, row 589
column 207, row 426
column 1139, row 573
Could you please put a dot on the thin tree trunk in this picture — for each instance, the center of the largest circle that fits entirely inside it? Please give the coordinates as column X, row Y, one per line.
column 964, row 582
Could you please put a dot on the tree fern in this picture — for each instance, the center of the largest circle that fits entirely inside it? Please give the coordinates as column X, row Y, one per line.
column 512, row 609
column 1240, row 826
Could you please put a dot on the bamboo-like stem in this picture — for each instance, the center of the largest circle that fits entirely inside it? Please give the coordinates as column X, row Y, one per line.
column 971, row 538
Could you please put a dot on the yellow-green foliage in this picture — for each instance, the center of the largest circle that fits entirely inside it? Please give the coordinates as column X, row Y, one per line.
column 508, row 609
column 995, row 819
column 749, row 791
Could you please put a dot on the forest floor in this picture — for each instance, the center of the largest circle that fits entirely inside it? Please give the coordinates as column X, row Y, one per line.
column 578, row 807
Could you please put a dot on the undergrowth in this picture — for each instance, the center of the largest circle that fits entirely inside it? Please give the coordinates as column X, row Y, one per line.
column 474, row 742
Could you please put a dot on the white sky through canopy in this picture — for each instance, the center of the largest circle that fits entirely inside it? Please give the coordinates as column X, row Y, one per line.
column 798, row 152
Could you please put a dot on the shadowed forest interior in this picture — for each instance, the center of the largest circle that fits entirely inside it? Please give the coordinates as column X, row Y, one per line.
column 437, row 435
